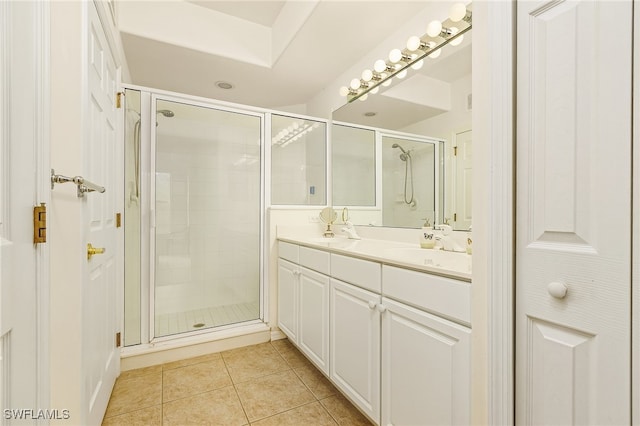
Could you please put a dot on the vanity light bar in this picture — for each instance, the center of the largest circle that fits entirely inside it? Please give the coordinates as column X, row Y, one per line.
column 439, row 34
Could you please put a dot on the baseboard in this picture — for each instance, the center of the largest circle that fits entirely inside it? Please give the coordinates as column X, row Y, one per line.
column 178, row 349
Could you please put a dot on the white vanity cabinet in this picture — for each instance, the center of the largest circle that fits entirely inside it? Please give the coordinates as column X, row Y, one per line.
column 426, row 359
column 288, row 289
column 355, row 345
column 398, row 340
column 303, row 301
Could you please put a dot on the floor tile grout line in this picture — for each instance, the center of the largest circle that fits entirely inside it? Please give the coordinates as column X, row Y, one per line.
column 235, row 389
column 294, row 408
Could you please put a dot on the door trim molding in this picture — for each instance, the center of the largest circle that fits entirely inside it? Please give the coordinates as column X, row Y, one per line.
column 493, row 209
column 43, row 192
column 635, row 246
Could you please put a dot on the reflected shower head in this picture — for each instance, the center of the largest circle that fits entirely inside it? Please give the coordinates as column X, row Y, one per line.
column 166, row 112
column 405, row 154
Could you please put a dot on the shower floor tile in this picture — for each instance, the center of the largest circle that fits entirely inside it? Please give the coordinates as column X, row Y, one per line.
column 200, row 391
column 180, row 322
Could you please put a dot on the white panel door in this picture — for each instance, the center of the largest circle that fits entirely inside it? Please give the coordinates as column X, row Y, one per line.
column 464, row 181
column 313, row 325
column 355, row 345
column 426, row 368
column 101, row 357
column 573, row 212
column 288, row 299
column 20, row 285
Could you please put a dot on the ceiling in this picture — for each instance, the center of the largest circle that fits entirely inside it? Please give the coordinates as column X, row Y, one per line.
column 313, row 44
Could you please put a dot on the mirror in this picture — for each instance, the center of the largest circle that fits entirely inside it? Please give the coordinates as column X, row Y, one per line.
column 328, row 216
column 431, row 108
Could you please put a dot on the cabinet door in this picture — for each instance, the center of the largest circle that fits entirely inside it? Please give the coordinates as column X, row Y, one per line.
column 313, row 325
column 425, row 368
column 355, row 345
column 288, row 299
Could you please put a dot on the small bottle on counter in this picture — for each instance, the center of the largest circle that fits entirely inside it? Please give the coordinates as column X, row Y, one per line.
column 427, row 237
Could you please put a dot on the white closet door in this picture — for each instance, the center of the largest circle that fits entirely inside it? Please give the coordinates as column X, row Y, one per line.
column 573, row 212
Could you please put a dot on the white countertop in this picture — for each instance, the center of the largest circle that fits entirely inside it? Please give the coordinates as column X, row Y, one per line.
column 406, row 255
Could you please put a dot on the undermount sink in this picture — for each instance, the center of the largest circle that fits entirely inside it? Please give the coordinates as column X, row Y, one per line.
column 428, row 257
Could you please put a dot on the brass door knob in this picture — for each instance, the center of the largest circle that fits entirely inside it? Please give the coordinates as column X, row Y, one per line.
column 91, row 250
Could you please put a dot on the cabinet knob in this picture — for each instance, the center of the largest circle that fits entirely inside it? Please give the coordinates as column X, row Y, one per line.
column 381, row 308
column 372, row 304
column 557, row 289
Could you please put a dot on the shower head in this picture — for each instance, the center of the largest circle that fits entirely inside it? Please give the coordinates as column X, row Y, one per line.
column 395, row 145
column 166, row 112
column 405, row 154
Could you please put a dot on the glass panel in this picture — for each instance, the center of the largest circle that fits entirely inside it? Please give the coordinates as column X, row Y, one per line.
column 408, row 182
column 353, row 160
column 207, row 206
column 132, row 290
column 298, row 161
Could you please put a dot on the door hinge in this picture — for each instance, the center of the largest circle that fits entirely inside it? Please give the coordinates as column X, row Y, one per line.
column 118, row 340
column 118, row 220
column 119, row 97
column 455, row 151
column 40, row 224
column 455, row 217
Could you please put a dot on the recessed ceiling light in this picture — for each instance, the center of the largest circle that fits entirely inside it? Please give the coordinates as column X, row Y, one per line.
column 224, row 85
column 370, row 114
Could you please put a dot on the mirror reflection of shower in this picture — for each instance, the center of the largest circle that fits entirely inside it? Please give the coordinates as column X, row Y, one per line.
column 136, row 151
column 408, row 175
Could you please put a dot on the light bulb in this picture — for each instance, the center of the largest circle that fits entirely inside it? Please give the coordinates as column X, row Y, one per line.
column 374, row 90
column 402, row 74
column 458, row 12
column 413, row 43
column 418, row 65
column 364, row 97
column 387, row 82
column 355, row 84
column 380, row 65
column 344, row 91
column 395, row 55
column 458, row 40
column 367, row 75
column 434, row 28
column 435, row 53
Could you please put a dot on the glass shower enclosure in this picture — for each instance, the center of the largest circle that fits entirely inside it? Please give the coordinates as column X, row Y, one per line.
column 198, row 181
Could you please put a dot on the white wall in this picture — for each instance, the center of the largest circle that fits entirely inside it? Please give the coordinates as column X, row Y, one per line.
column 458, row 118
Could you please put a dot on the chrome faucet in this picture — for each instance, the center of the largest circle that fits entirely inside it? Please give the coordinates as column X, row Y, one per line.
column 445, row 240
column 350, row 230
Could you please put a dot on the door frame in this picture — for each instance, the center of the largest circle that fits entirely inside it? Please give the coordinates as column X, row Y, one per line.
column 493, row 124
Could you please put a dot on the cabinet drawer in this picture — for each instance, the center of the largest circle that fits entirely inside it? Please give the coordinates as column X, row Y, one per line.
column 317, row 260
column 362, row 273
column 442, row 296
column 288, row 251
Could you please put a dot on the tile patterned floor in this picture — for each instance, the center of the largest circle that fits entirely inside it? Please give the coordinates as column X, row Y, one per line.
column 267, row 384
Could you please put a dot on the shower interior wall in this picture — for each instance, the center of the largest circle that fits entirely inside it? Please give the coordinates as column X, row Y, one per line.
column 204, row 221
column 396, row 212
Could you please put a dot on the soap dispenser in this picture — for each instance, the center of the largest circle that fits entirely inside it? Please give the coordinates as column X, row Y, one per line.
column 427, row 237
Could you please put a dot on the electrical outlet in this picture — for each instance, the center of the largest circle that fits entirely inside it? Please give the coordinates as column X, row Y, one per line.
column 314, row 219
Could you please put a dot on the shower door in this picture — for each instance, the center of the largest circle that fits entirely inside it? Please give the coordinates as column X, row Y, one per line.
column 206, row 220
